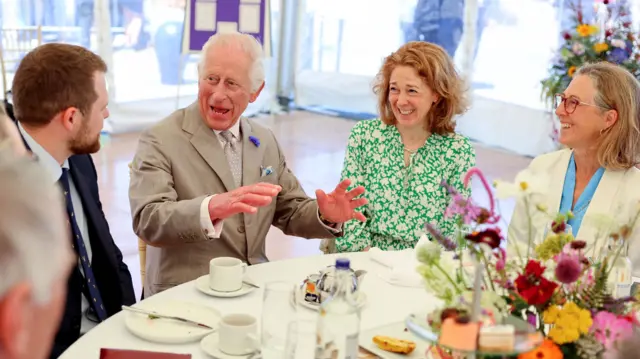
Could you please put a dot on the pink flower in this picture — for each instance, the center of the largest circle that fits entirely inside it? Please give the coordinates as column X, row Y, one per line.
column 609, row 329
column 569, row 268
column 571, row 263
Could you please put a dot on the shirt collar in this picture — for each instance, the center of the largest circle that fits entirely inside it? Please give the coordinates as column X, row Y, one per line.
column 235, row 130
column 50, row 163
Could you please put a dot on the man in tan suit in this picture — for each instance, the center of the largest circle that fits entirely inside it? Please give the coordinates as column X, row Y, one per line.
column 206, row 182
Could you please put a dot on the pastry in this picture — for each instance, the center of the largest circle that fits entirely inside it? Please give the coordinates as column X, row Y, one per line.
column 394, row 345
column 459, row 334
column 497, row 338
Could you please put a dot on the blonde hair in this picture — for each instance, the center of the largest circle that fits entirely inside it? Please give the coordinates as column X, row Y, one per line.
column 618, row 90
column 438, row 71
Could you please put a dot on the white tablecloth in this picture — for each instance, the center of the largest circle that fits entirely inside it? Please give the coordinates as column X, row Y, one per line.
column 386, row 304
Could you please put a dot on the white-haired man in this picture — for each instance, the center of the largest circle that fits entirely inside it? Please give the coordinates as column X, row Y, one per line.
column 35, row 259
column 207, row 182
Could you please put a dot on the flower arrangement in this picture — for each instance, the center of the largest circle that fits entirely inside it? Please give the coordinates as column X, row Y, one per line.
column 559, row 285
column 613, row 40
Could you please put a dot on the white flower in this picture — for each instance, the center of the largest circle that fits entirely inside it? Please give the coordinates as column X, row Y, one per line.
column 428, row 252
column 577, row 48
column 526, row 183
column 618, row 43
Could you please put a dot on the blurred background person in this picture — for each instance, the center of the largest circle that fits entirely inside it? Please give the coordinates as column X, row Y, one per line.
column 35, row 258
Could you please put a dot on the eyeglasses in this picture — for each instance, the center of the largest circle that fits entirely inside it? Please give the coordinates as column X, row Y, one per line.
column 570, row 104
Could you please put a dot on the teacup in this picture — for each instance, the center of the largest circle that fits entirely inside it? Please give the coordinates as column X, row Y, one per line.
column 238, row 334
column 226, row 274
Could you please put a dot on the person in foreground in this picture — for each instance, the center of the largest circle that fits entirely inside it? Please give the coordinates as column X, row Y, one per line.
column 60, row 103
column 207, row 182
column 403, row 157
column 34, row 256
column 600, row 123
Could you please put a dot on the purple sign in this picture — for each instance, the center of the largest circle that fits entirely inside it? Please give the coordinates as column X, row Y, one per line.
column 208, row 17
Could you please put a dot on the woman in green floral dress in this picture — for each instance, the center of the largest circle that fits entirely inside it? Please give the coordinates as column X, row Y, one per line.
column 403, row 157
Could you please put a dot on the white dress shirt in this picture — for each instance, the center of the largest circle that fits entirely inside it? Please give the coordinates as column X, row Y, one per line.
column 214, row 230
column 55, row 169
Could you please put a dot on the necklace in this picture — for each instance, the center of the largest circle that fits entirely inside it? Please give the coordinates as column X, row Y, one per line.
column 410, row 151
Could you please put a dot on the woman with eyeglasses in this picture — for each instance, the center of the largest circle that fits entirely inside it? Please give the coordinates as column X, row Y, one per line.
column 595, row 174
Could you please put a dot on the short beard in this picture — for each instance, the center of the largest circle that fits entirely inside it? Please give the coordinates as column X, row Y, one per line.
column 82, row 144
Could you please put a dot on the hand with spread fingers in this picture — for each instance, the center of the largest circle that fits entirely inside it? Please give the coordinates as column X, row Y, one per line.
column 340, row 205
column 245, row 199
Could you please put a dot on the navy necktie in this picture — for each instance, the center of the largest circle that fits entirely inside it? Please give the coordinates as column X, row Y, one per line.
column 78, row 244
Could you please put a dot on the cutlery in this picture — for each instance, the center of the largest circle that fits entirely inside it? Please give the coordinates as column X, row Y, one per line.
column 155, row 315
column 250, row 284
column 367, row 354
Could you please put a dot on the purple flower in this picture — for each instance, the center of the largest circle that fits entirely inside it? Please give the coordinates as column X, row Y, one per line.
column 440, row 238
column 254, row 140
column 618, row 55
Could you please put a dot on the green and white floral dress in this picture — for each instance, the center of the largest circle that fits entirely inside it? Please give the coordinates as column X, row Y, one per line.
column 401, row 198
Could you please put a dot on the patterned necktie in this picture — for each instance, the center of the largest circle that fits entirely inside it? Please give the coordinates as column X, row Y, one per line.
column 79, row 247
column 233, row 156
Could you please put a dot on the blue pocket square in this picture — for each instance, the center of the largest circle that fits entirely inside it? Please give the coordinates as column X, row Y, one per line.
column 265, row 171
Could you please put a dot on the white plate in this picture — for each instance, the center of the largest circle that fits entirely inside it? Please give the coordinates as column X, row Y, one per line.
column 209, row 345
column 202, row 284
column 167, row 331
column 395, row 330
column 361, row 300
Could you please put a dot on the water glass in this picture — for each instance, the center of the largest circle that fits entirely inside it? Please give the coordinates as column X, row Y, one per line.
column 301, row 340
column 278, row 310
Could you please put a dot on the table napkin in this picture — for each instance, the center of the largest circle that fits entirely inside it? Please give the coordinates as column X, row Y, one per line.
column 106, row 353
column 401, row 265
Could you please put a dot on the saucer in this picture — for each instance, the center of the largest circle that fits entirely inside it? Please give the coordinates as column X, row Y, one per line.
column 209, row 345
column 202, row 284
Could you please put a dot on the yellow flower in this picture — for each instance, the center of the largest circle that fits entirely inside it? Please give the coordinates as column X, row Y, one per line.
column 600, row 47
column 585, row 321
column 571, row 308
column 585, row 30
column 570, row 322
column 571, row 71
column 524, row 185
column 551, row 314
column 562, row 335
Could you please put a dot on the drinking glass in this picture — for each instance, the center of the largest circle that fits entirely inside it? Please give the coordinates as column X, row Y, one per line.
column 301, row 339
column 278, row 310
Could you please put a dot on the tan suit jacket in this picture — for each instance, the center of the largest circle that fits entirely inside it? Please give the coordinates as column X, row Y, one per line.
column 178, row 163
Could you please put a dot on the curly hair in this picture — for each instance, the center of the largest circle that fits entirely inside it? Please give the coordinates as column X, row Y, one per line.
column 438, row 71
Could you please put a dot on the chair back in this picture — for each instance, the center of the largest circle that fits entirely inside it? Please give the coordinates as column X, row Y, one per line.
column 142, row 253
column 14, row 44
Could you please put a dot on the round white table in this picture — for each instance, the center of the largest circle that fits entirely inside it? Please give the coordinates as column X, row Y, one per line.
column 386, row 303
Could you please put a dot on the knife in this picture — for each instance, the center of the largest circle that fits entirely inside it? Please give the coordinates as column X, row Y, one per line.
column 250, row 284
column 155, row 315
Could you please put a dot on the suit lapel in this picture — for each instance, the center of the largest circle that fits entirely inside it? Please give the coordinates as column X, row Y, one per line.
column 205, row 141
column 92, row 213
column 251, row 154
column 555, row 187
